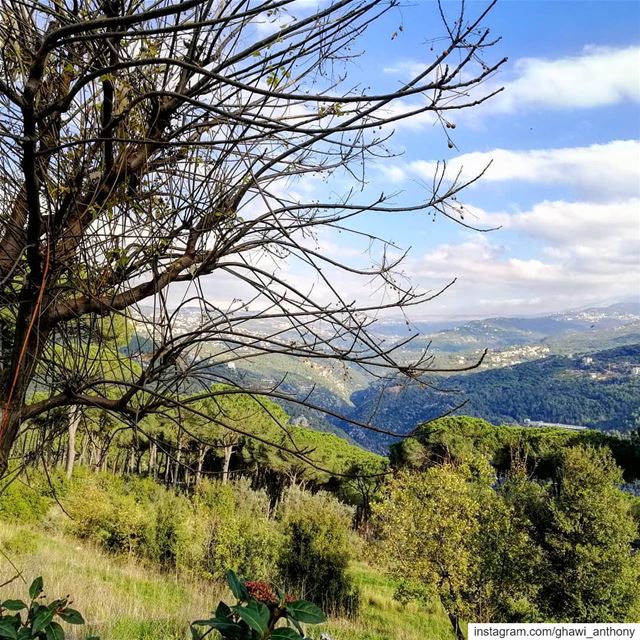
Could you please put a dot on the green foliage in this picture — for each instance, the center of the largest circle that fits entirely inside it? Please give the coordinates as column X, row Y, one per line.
column 20, row 620
column 507, row 583
column 461, row 438
column 587, row 532
column 220, row 527
column 114, row 511
column 524, row 551
column 28, row 498
column 259, row 608
column 240, row 534
column 316, row 551
column 22, row 503
column 430, row 525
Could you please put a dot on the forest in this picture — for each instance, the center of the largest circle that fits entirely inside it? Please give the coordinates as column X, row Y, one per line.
column 559, row 389
column 467, row 521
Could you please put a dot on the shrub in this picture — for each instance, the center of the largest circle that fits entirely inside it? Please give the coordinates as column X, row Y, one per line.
column 316, row 551
column 28, row 498
column 181, row 534
column 259, row 609
column 105, row 509
column 240, row 534
column 36, row 619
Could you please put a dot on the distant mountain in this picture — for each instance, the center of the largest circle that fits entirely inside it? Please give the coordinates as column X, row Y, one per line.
column 600, row 390
column 515, row 340
column 541, row 325
column 501, row 333
column 536, row 368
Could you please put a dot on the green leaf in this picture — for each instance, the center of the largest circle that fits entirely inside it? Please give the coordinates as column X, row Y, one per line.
column 285, row 633
column 304, row 611
column 237, row 588
column 219, row 625
column 255, row 614
column 223, row 610
column 7, row 629
column 36, row 588
column 54, row 632
column 296, row 624
column 41, row 621
column 71, row 616
column 13, row 605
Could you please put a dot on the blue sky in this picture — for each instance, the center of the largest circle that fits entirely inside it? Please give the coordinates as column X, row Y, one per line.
column 564, row 139
column 564, row 185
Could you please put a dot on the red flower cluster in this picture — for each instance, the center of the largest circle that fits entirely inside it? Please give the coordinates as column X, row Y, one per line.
column 264, row 592
column 261, row 591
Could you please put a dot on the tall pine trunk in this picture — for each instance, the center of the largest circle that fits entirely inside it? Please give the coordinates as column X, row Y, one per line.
column 153, row 456
column 228, row 452
column 202, row 452
column 74, row 421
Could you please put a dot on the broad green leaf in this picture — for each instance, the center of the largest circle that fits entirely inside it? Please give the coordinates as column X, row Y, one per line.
column 54, row 632
column 36, row 588
column 42, row 620
column 304, row 611
column 13, row 605
column 219, row 625
column 285, row 633
column 237, row 588
column 71, row 616
column 7, row 629
column 295, row 623
column 255, row 614
column 223, row 610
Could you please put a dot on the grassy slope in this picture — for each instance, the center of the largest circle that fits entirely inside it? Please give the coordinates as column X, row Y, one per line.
column 122, row 599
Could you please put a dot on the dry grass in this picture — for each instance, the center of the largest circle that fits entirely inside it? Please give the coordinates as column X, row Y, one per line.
column 124, row 599
column 120, row 597
column 383, row 618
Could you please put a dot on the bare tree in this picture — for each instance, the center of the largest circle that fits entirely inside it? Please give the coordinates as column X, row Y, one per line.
column 148, row 145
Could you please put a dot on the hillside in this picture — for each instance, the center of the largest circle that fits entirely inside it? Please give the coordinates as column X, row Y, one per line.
column 601, row 390
column 536, row 368
column 123, row 598
column 454, row 344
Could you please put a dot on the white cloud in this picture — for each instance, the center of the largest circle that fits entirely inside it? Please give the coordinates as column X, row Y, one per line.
column 612, row 229
column 405, row 68
column 596, row 78
column 578, row 253
column 599, row 171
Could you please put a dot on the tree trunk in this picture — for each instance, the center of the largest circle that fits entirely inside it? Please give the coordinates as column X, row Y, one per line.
column 10, row 425
column 202, row 452
column 153, row 456
column 74, row 420
column 228, row 452
column 104, row 458
column 131, row 460
column 455, row 624
column 83, row 450
column 178, row 461
column 167, row 466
